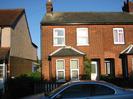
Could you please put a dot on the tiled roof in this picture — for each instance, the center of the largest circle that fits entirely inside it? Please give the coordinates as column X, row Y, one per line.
column 59, row 18
column 67, row 51
column 10, row 17
column 3, row 53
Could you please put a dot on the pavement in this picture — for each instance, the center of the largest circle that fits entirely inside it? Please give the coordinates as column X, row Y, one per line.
column 37, row 96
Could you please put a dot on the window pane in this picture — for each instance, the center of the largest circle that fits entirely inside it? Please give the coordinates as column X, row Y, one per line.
column 60, row 64
column 60, row 75
column 59, row 37
column 121, row 37
column 108, row 68
column 82, row 33
column 115, row 36
column 1, row 72
column 82, row 36
column 74, row 64
column 118, row 35
column 82, row 41
column 59, row 41
column 93, row 68
column 102, row 90
column 59, row 33
column 77, row 91
column 74, row 74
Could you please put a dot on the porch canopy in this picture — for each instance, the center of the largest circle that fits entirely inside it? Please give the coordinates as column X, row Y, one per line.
column 67, row 51
column 123, row 55
column 128, row 50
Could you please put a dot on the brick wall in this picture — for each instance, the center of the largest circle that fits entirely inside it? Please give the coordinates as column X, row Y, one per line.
column 101, row 43
column 67, row 66
column 19, row 66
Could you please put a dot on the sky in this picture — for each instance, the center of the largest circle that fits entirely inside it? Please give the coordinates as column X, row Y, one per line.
column 36, row 9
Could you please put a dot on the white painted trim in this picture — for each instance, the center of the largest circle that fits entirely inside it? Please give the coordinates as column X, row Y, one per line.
column 129, row 47
column 77, row 51
column 106, row 67
column 62, row 36
column 60, row 69
column 86, row 37
column 55, row 51
column 69, row 47
column 83, row 45
column 74, row 69
column 4, row 71
column 118, row 37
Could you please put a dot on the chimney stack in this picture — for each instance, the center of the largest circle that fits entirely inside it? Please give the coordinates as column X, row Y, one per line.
column 49, row 6
column 128, row 6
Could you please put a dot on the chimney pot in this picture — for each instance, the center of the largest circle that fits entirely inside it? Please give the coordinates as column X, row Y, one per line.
column 128, row 6
column 49, row 6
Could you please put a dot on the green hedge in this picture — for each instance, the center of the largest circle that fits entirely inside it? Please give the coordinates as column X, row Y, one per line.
column 119, row 81
column 21, row 86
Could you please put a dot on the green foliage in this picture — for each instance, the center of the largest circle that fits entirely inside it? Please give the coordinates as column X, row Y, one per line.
column 87, row 68
column 22, row 85
column 119, row 81
column 35, row 75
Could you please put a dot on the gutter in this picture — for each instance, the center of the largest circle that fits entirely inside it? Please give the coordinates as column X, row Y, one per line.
column 86, row 23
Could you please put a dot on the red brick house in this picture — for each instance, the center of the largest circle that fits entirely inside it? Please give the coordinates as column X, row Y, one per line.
column 106, row 38
column 17, row 52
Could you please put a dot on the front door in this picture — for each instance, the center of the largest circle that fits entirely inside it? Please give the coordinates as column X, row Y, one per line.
column 94, row 70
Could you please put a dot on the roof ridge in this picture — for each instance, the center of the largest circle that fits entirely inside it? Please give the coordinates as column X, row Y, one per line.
column 14, row 9
column 90, row 12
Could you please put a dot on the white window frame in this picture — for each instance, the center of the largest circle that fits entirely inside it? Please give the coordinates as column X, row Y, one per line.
column 60, row 70
column 74, row 69
column 78, row 37
column 118, row 34
column 54, row 36
column 106, row 69
column 3, row 72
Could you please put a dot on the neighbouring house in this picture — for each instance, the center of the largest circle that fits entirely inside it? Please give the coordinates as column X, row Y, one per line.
column 17, row 51
column 105, row 38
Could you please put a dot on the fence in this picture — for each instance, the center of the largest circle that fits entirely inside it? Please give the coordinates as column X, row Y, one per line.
column 46, row 86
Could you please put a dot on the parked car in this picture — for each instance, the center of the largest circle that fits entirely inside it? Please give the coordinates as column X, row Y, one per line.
column 89, row 90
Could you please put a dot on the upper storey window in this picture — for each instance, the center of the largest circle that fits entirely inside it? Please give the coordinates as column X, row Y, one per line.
column 118, row 34
column 59, row 37
column 82, row 36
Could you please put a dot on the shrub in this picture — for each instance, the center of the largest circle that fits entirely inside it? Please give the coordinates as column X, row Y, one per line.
column 87, row 69
column 22, row 85
column 35, row 76
column 119, row 81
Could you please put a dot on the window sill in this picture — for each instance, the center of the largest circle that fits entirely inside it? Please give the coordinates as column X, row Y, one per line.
column 119, row 43
column 83, row 45
column 59, row 45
